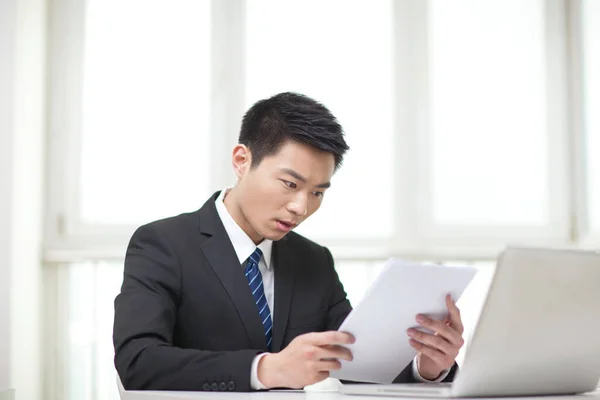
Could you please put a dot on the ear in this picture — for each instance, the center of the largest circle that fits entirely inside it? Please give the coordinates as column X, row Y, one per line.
column 241, row 160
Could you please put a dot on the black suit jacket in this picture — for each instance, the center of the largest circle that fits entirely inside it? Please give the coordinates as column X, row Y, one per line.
column 185, row 318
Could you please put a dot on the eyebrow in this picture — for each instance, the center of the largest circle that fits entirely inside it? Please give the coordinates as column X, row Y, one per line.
column 296, row 175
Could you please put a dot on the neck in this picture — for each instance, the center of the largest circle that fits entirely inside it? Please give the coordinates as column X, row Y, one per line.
column 232, row 206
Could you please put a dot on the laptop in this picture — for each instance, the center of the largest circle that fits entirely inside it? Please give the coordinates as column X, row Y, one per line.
column 538, row 331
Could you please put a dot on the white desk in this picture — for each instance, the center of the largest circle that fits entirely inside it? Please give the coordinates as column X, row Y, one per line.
column 300, row 395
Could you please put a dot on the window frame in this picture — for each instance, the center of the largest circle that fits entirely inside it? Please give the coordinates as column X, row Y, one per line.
column 67, row 238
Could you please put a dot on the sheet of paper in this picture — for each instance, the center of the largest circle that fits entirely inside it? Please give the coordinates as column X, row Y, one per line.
column 380, row 320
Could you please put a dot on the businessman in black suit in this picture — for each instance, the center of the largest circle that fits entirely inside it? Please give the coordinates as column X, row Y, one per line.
column 228, row 298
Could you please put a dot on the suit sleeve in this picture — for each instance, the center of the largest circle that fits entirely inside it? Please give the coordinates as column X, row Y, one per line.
column 339, row 308
column 145, row 317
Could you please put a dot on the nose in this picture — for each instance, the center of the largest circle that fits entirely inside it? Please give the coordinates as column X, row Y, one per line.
column 299, row 205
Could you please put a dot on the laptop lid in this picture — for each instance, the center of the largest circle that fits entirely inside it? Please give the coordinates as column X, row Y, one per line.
column 538, row 331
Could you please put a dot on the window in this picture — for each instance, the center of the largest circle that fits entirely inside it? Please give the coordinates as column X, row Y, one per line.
column 87, row 342
column 591, row 48
column 144, row 151
column 349, row 69
column 488, row 117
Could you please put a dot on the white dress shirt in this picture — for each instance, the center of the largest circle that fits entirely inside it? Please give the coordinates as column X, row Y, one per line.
column 244, row 247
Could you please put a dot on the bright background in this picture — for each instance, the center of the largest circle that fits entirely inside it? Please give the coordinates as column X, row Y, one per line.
column 472, row 125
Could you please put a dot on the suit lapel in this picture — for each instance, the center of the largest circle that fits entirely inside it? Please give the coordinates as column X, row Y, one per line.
column 221, row 256
column 284, row 262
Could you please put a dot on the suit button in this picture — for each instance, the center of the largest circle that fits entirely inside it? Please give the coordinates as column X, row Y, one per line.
column 214, row 387
column 222, row 386
column 206, row 387
column 231, row 386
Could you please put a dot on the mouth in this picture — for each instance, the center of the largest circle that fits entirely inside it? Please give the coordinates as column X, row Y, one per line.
column 285, row 226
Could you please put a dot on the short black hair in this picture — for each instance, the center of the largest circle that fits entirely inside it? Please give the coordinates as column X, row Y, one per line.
column 291, row 116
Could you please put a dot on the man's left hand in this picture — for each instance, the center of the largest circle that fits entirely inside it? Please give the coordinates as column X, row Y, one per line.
column 438, row 351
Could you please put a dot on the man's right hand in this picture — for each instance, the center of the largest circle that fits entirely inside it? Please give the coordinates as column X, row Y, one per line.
column 305, row 361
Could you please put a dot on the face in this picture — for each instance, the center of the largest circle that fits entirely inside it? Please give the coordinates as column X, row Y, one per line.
column 281, row 192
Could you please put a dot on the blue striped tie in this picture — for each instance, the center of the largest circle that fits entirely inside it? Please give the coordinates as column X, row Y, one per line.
column 256, row 286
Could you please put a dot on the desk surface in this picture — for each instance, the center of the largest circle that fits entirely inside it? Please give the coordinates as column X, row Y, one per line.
column 300, row 395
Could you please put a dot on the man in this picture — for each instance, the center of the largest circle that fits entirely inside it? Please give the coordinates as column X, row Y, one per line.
column 228, row 298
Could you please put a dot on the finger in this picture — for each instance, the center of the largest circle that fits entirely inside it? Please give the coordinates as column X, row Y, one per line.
column 447, row 332
column 336, row 352
column 434, row 341
column 438, row 357
column 320, row 376
column 329, row 338
column 330, row 365
column 440, row 327
column 455, row 319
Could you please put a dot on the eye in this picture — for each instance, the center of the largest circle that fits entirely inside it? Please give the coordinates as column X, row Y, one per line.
column 318, row 194
column 289, row 184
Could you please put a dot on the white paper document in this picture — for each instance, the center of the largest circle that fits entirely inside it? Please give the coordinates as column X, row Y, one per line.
column 380, row 320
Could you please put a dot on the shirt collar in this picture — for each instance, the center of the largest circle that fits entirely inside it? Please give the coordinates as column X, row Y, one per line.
column 242, row 244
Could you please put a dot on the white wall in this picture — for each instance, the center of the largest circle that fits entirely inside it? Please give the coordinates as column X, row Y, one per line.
column 22, row 94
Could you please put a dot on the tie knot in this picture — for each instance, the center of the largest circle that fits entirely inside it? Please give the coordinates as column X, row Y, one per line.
column 255, row 257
